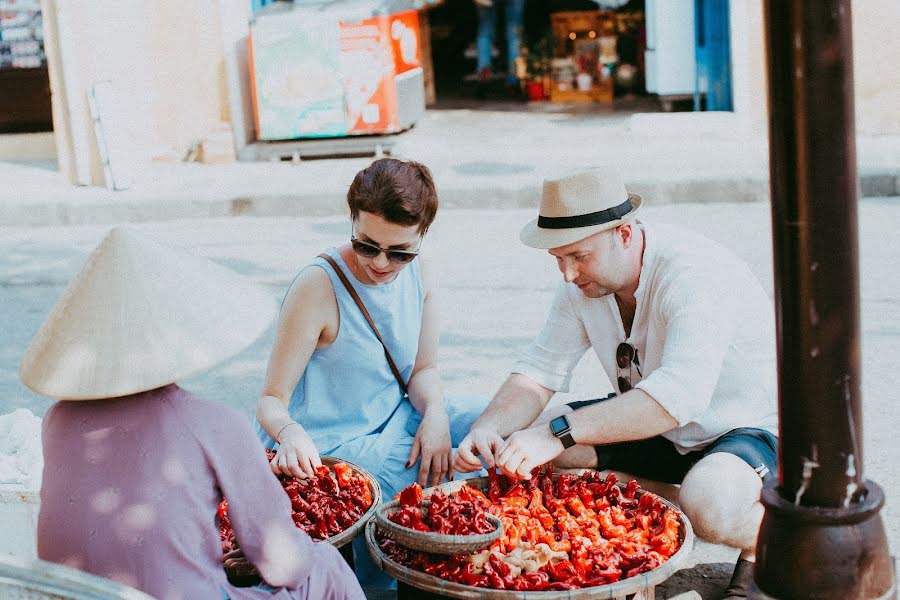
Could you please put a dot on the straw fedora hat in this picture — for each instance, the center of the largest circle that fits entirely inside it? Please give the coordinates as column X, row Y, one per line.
column 140, row 315
column 580, row 205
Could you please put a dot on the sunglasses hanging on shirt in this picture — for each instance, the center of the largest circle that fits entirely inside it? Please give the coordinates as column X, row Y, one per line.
column 626, row 357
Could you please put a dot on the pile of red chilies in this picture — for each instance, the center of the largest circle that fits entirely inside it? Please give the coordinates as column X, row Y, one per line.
column 322, row 506
column 457, row 514
column 581, row 531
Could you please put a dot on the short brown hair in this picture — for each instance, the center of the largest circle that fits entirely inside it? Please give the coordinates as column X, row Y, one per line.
column 400, row 191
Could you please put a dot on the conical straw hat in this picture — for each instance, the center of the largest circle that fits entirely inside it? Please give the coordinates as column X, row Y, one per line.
column 139, row 315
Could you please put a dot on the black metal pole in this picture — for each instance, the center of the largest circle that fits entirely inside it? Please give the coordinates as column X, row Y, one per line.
column 821, row 536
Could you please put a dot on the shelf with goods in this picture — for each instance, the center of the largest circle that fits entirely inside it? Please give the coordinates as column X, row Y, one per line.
column 584, row 54
column 21, row 35
column 595, row 55
column 24, row 82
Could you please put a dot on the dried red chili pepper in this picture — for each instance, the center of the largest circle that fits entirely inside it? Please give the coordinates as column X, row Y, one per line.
column 608, row 534
column 456, row 515
column 322, row 506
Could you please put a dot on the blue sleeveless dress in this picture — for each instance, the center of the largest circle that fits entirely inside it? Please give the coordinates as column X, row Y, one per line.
column 348, row 399
column 351, row 405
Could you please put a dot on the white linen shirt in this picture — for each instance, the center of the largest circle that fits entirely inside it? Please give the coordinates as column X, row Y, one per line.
column 703, row 327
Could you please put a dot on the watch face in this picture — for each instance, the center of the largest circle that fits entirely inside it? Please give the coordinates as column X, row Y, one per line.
column 559, row 425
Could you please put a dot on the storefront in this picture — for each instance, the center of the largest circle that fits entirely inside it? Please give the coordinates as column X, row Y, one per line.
column 182, row 69
column 674, row 54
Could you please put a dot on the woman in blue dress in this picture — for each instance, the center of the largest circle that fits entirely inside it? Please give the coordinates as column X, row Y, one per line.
column 329, row 389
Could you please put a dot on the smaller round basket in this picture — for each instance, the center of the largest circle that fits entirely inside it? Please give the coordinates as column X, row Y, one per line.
column 435, row 543
column 347, row 535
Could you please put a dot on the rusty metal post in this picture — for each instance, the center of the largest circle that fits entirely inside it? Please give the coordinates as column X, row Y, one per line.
column 822, row 535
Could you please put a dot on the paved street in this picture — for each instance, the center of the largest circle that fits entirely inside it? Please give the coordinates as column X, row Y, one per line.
column 480, row 159
column 495, row 294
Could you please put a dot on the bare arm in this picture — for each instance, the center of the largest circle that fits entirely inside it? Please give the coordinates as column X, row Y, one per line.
column 516, row 405
column 301, row 326
column 548, row 363
column 258, row 508
column 432, row 440
column 632, row 416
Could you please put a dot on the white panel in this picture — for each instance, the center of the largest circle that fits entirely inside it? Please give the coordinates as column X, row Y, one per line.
column 652, row 16
column 651, row 68
column 675, row 68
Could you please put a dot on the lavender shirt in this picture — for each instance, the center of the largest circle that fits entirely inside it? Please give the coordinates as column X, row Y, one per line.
column 130, row 491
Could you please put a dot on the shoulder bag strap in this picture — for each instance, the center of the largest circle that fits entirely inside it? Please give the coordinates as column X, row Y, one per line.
column 362, row 309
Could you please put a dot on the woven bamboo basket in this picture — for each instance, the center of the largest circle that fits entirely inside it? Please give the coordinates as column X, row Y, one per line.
column 348, row 534
column 341, row 539
column 613, row 591
column 435, row 543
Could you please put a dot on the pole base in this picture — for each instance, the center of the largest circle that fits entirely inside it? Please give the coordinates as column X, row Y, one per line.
column 823, row 553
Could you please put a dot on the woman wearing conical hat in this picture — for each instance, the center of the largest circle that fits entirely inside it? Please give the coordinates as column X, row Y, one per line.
column 135, row 466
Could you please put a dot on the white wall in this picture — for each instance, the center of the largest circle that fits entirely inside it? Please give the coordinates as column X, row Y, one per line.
column 27, row 146
column 876, row 65
column 164, row 56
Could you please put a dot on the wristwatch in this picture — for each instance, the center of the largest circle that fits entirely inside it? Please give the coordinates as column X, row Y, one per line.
column 561, row 428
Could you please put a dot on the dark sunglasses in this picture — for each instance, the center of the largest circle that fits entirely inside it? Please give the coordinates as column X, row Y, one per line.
column 367, row 250
column 626, row 356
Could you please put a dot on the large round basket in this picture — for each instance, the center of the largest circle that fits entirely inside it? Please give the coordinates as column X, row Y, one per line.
column 347, row 535
column 435, row 543
column 612, row 591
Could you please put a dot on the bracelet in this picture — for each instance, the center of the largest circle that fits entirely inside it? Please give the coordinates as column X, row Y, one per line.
column 278, row 436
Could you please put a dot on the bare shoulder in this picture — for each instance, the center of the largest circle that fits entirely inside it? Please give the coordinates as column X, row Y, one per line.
column 312, row 282
column 310, row 298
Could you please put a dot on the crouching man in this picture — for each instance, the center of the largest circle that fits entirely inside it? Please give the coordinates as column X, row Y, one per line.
column 686, row 333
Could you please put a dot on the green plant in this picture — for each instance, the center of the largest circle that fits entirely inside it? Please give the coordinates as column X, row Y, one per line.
column 538, row 53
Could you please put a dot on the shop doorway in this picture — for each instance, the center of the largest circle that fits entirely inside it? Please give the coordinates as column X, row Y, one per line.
column 559, row 39
column 639, row 55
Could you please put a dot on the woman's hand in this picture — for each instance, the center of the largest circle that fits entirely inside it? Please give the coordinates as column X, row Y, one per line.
column 432, row 442
column 297, row 455
column 237, row 566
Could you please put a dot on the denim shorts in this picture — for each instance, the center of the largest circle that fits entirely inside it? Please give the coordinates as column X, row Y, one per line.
column 657, row 458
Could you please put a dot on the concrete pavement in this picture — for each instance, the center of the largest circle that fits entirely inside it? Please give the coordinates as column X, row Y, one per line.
column 495, row 296
column 481, row 159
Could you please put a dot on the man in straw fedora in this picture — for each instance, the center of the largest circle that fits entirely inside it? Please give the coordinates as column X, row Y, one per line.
column 134, row 465
column 684, row 331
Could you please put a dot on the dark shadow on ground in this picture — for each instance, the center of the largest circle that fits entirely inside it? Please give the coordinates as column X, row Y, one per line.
column 707, row 579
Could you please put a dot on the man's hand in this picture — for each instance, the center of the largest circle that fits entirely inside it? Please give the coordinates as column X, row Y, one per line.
column 481, row 441
column 297, row 455
column 527, row 449
column 432, row 441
